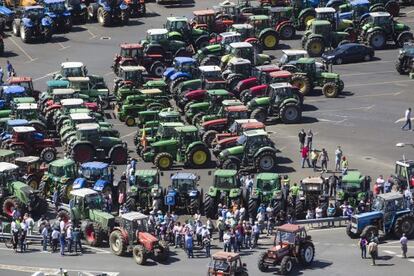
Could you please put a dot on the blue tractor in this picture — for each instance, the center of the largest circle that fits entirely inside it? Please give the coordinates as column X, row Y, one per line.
column 109, row 12
column 31, row 22
column 183, row 194
column 184, row 68
column 77, row 10
column 11, row 92
column 57, row 11
column 95, row 175
column 389, row 214
column 6, row 16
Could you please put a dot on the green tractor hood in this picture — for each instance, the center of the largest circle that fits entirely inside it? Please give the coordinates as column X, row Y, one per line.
column 232, row 193
column 328, row 75
column 237, row 150
column 399, row 27
column 5, row 113
column 105, row 219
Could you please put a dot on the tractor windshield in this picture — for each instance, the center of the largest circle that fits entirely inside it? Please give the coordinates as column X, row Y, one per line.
column 145, row 181
column 285, row 237
column 80, row 85
column 94, row 173
column 9, row 175
column 165, row 132
column 140, row 225
column 57, row 7
column 94, row 201
column 183, row 185
column 219, row 265
column 34, row 13
column 378, row 204
column 72, row 72
column 234, row 128
column 225, row 182
column 129, row 52
column 26, row 85
column 267, row 185
column 68, row 171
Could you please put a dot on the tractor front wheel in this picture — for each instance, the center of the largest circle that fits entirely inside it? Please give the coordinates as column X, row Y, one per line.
column 231, row 164
column 44, row 189
column 157, row 69
column 377, row 39
column 287, row 31
column 403, row 38
column 198, row 157
column 18, row 151
column 117, row 243
column 47, row 34
column 269, row 40
column 131, row 204
column 290, row 114
column 286, row 265
column 351, row 234
column 163, row 161
column 16, row 28
column 369, row 231
column 104, row 17
column 261, row 265
column 25, row 34
column 162, row 254
column 139, row 254
column 48, row 154
column 253, row 204
column 315, row 46
column 209, row 136
column 194, row 205
column 307, row 253
column 130, row 121
column 330, row 90
column 33, row 182
column 259, row 114
column 266, row 161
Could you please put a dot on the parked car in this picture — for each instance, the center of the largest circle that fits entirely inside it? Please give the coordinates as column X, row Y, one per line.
column 350, row 52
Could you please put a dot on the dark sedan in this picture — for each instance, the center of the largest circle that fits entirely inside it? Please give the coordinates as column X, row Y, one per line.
column 350, row 52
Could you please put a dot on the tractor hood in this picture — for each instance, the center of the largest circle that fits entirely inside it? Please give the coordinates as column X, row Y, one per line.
column 328, row 75
column 168, row 72
column 199, row 105
column 258, row 88
column 5, row 113
column 260, row 101
column 401, row 27
column 226, row 141
column 147, row 237
column 154, row 84
column 237, row 150
column 195, row 94
column 212, row 48
column 98, row 215
column 164, row 143
column 369, row 215
column 100, row 185
column 211, row 123
column 5, row 11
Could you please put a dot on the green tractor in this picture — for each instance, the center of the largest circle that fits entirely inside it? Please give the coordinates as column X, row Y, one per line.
column 354, row 187
column 18, row 195
column 254, row 150
column 90, row 91
column 322, row 35
column 145, row 188
column 196, row 111
column 263, row 29
column 289, row 19
column 129, row 79
column 244, row 50
column 180, row 29
column 308, row 75
column 60, row 175
column 381, row 28
column 86, row 207
column 268, row 191
column 330, row 14
column 284, row 102
column 7, row 155
column 185, row 147
column 225, row 190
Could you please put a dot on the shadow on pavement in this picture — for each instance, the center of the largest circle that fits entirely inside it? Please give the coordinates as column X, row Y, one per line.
column 309, row 107
column 151, row 14
column 8, row 54
column 309, row 120
column 58, row 39
column 77, row 29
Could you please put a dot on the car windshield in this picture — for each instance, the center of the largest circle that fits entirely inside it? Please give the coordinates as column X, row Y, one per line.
column 94, row 201
column 378, row 204
column 68, row 171
column 94, row 173
column 183, row 185
column 219, row 265
column 225, row 182
column 145, row 181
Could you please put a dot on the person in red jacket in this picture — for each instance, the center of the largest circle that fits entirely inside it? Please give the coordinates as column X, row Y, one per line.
column 305, row 156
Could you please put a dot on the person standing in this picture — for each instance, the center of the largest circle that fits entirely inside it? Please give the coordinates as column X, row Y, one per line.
column 333, row 182
column 363, row 246
column 55, row 239
column 248, row 235
column 305, row 156
column 9, row 68
column 189, row 245
column 407, row 117
column 331, row 213
column 55, row 198
column 309, row 139
column 30, row 224
column 256, row 233
column 45, row 235
column 324, row 160
column 408, row 198
column 338, row 158
column 207, row 245
column 380, row 183
column 23, row 235
column 302, row 137
column 404, row 245
column 62, row 239
column 294, row 190
column 77, row 240
column 15, row 229
column 373, row 250
column 314, row 158
column 1, row 75
column 69, row 237
column 226, row 241
column 344, row 164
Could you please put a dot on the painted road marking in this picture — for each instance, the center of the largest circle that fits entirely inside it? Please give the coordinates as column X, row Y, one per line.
column 378, row 83
column 109, row 73
column 345, row 109
column 370, row 73
column 97, row 249
column 389, row 252
column 62, row 47
column 411, row 260
column 361, row 96
column 127, row 135
column 45, row 76
column 48, row 270
column 22, row 50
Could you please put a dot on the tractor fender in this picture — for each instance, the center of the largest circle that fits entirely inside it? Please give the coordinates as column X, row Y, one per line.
column 66, row 207
column 46, row 21
column 251, row 40
column 334, row 3
column 246, row 84
column 51, row 14
column 168, row 72
column 179, row 75
column 124, row 233
column 193, row 84
column 263, row 149
column 100, row 185
column 289, row 101
column 105, row 6
column 79, row 183
column 235, row 193
column 370, row 30
column 174, row 34
column 376, row 5
column 27, row 22
column 307, row 11
column 365, row 15
column 212, row 191
column 195, row 94
column 315, row 35
column 281, row 23
column 194, row 144
column 267, row 30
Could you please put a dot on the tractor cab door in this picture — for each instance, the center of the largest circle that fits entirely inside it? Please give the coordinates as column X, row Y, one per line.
column 253, row 144
column 389, row 213
column 128, row 225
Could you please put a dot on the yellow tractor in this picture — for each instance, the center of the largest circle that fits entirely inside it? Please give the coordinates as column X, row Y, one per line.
column 19, row 3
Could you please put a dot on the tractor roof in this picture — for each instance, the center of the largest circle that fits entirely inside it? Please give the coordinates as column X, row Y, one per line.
column 133, row 216
column 244, row 26
column 150, row 91
column 239, row 61
column 71, row 64
column 186, row 129
column 26, row 106
column 177, row 18
column 57, row 83
column 131, row 46
column 290, row 52
column 53, row 1
column 352, row 176
column 230, row 34
column 78, row 79
column 19, row 79
column 313, row 180
column 63, row 91
column 231, row 102
column 13, row 89
column 318, row 22
column 185, row 176
column 28, row 159
column 218, row 92
column 23, row 129
column 280, row 74
column 209, row 68
column 88, row 126
column 62, row 162
column 255, row 132
column 157, row 31
column 405, row 163
column 267, row 176
column 83, row 192
column 181, row 60
column 226, row 256
column 17, row 122
column 306, row 61
column 280, row 85
column 36, row 7
column 80, row 116
column 75, row 101
column 253, row 125
column 325, row 10
column 145, row 173
column 204, row 12
column 245, row 121
column 267, row 68
column 5, row 153
column 379, row 14
column 95, row 165
column 292, row 228
column 130, row 68
column 171, row 124
column 227, row 4
column 225, row 173
column 359, row 2
column 258, row 17
column 4, row 166
column 237, row 108
column 390, row 196
column 241, row 45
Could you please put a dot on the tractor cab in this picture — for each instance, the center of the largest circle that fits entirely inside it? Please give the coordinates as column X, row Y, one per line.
column 381, row 19
column 157, row 36
column 206, row 20
column 134, row 74
column 287, row 237
column 354, row 9
column 80, row 118
column 184, row 182
column 29, row 164
column 226, row 263
column 242, row 50
column 313, row 192
column 10, row 124
column 79, row 83
column 239, row 66
column 68, row 104
column 86, row 200
column 26, row 135
column 166, row 130
column 7, row 156
column 11, row 92
column 179, row 24
column 281, row 91
column 326, row 13
column 211, row 78
column 146, row 179
column 93, row 171
column 404, row 173
column 87, row 132
column 280, row 13
column 64, row 169
column 27, row 111
column 268, row 182
column 226, row 179
column 63, row 93
column 25, row 82
column 259, row 22
column 226, row 38
column 72, row 69
column 185, row 135
column 253, row 140
column 130, row 51
column 184, row 64
column 354, row 187
column 245, row 30
column 291, row 56
column 133, row 223
column 261, row 73
column 8, row 173
column 321, row 27
column 228, row 9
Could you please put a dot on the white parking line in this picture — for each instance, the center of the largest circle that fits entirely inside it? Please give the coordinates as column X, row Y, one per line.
column 62, row 47
column 51, row 271
column 378, row 83
column 22, row 50
column 45, row 76
column 345, row 109
column 411, row 260
column 127, row 135
column 368, row 73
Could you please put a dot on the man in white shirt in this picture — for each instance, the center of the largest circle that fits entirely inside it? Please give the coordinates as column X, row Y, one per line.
column 380, row 183
column 226, row 241
column 407, row 119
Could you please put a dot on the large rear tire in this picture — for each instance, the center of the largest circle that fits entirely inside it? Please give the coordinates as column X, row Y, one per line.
column 286, row 265
column 118, row 155
column 11, row 203
column 209, row 207
column 315, row 46
column 261, row 265
column 303, row 83
column 209, row 136
column 404, row 225
column 266, row 162
column 252, row 208
column 83, row 153
column 377, row 39
column 290, row 114
column 48, row 154
column 259, row 114
column 198, row 157
column 330, row 90
column 307, row 253
column 94, row 234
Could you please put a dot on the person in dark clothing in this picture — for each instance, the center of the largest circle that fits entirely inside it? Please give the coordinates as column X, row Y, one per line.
column 333, row 182
column 302, row 137
column 77, row 240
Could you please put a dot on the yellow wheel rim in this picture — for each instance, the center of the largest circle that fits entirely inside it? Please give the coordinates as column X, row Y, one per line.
column 316, row 47
column 130, row 122
column 33, row 184
column 307, row 18
column 270, row 41
column 164, row 162
column 300, row 85
column 199, row 157
column 69, row 188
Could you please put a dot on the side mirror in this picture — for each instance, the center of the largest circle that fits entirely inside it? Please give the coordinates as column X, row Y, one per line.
column 209, row 172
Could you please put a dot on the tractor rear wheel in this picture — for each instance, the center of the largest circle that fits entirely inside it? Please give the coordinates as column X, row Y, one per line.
column 104, row 17
column 404, row 225
column 198, row 157
column 341, row 86
column 163, row 161
column 315, row 46
column 253, row 204
column 209, row 207
column 259, row 114
column 157, row 69
column 131, row 204
column 25, row 34
column 330, row 90
column 33, row 182
column 162, row 255
column 266, row 161
column 303, row 83
column 10, row 204
column 44, row 189
column 303, row 20
column 194, row 205
column 130, row 121
column 68, row 25
column 287, row 31
column 187, row 106
column 174, row 84
column 64, row 193
column 401, row 68
column 290, row 114
column 48, row 154
column 83, row 153
column 15, row 28
column 231, row 164
column 118, row 155
column 261, row 265
column 139, row 254
column 270, row 40
column 94, row 234
column 377, row 39
column 209, row 136
column 286, row 265
column 307, row 253
column 369, row 231
column 393, row 8
column 117, row 243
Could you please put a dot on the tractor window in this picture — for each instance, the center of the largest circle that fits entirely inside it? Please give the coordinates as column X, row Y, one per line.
column 225, row 182
column 57, row 7
column 183, row 185
column 26, row 85
column 220, row 265
column 266, row 185
column 141, row 225
column 144, row 181
column 286, row 237
column 284, row 59
column 9, row 175
column 378, row 204
column 94, row 201
column 58, row 171
column 399, row 204
column 72, row 72
column 70, row 171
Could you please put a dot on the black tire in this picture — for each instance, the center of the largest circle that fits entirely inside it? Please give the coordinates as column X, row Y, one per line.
column 287, row 31
column 299, row 210
column 330, row 90
column 18, row 150
column 303, row 83
column 64, row 215
column 43, row 189
column 401, row 68
column 47, row 34
column 231, row 164
column 159, row 161
column 194, row 205
column 369, row 231
column 94, row 234
column 139, row 254
column 264, row 40
column 174, row 84
column 118, row 243
column 290, row 114
column 157, row 69
column 39, row 207
column 64, row 192
column 118, row 155
column 261, row 265
column 315, row 46
column 393, row 8
column 404, row 225
column 131, row 204
column 259, row 114
column 48, row 154
column 307, row 253
column 404, row 37
column 68, row 25
column 341, row 86
column 197, row 118
column 201, row 42
column 286, row 265
column 350, row 233
column 162, row 256
column 245, row 96
column 232, row 82
column 83, row 153
column 198, row 157
column 252, row 206
column 377, row 39
column 25, row 34
column 266, row 161
column 209, row 136
column 33, row 182
column 187, row 106
column 104, row 17
column 210, row 210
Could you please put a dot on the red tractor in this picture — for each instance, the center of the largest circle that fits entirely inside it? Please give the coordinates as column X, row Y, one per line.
column 291, row 245
column 27, row 83
column 258, row 76
column 206, row 20
column 132, row 236
column 137, row 7
column 31, row 170
column 27, row 141
column 226, row 264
